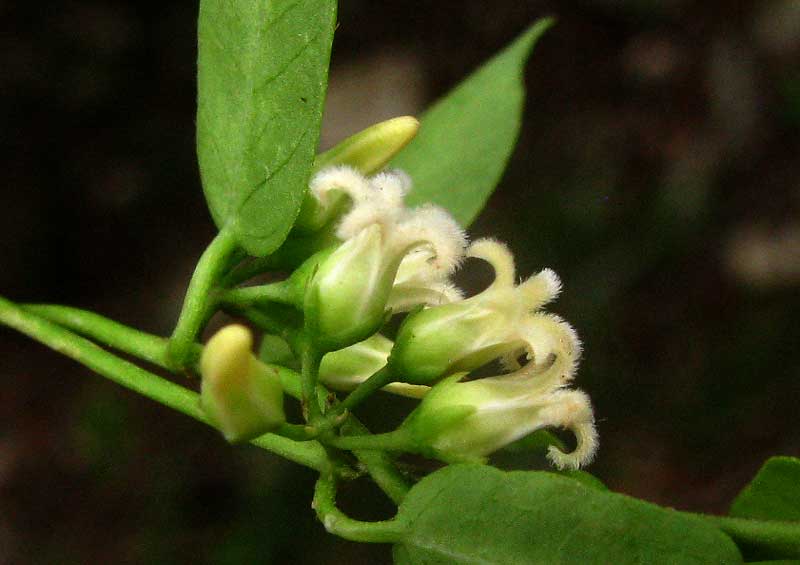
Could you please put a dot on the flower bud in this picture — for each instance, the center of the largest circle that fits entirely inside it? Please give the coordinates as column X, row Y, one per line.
column 464, row 335
column 345, row 369
column 349, row 293
column 371, row 149
column 346, row 299
column 366, row 152
column 239, row 394
column 443, row 340
column 467, row 421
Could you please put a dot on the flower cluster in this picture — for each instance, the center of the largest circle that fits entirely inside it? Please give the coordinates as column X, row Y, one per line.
column 391, row 258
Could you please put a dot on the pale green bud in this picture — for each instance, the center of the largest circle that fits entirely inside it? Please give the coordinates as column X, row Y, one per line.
column 451, row 338
column 345, row 369
column 346, row 299
column 239, row 394
column 366, row 152
column 350, row 290
column 371, row 149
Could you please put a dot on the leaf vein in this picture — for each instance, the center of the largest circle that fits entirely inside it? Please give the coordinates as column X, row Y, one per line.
column 269, row 80
column 272, row 172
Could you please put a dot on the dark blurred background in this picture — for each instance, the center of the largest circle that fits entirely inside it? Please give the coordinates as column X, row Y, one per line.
column 657, row 172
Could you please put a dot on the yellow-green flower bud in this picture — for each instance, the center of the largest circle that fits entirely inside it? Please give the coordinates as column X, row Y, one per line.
column 239, row 394
column 366, row 152
column 346, row 299
column 451, row 338
column 371, row 149
column 345, row 369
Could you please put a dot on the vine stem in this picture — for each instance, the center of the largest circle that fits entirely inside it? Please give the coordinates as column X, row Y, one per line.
column 196, row 304
column 310, row 454
column 337, row 523
column 292, row 253
column 363, row 391
column 397, row 440
column 273, row 292
column 149, row 347
column 378, row 464
column 310, row 360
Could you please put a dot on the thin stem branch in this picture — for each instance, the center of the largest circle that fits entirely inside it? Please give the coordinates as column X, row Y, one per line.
column 337, row 523
column 273, row 292
column 297, row 432
column 378, row 464
column 292, row 253
column 197, row 303
column 310, row 454
column 310, row 360
column 363, row 391
column 397, row 440
column 149, row 347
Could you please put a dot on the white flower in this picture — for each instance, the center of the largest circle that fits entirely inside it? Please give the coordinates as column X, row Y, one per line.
column 463, row 335
column 466, row 421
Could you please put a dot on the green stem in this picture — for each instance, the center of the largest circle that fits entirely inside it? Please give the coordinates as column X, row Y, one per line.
column 274, row 292
column 310, row 454
column 379, row 464
column 337, row 523
column 397, row 440
column 297, row 432
column 196, row 304
column 267, row 321
column 249, row 269
column 296, row 249
column 760, row 539
column 309, row 376
column 363, row 391
column 149, row 347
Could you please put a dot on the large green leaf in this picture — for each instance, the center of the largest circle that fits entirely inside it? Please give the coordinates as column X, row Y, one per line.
column 774, row 493
column 466, row 138
column 261, row 81
column 478, row 514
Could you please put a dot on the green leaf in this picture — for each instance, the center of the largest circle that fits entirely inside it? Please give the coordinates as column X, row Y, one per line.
column 478, row 514
column 586, row 479
column 466, row 138
column 261, row 81
column 774, row 493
